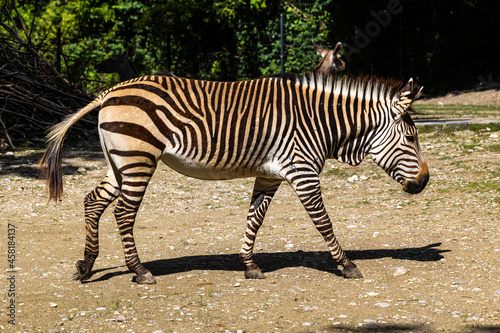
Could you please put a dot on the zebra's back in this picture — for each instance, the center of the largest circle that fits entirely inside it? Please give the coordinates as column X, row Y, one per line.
column 208, row 130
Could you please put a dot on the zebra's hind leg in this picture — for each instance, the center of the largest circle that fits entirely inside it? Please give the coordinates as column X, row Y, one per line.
column 95, row 203
column 132, row 192
column 264, row 190
column 308, row 190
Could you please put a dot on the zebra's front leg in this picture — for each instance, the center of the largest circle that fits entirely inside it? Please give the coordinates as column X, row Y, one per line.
column 95, row 203
column 264, row 190
column 308, row 190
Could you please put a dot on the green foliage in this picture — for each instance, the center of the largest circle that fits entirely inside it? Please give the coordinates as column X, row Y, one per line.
column 225, row 40
column 303, row 22
column 237, row 39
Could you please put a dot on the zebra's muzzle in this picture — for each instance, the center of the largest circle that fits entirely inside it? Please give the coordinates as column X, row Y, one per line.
column 416, row 186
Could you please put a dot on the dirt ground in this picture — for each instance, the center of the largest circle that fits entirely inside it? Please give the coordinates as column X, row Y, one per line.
column 472, row 97
column 431, row 262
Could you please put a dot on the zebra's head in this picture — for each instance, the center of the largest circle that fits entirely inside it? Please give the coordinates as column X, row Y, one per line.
column 331, row 61
column 397, row 149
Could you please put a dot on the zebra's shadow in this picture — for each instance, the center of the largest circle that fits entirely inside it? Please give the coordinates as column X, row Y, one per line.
column 270, row 262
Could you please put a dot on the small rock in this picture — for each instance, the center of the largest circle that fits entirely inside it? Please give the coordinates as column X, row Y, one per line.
column 288, row 246
column 307, row 324
column 353, row 179
column 310, row 308
column 383, row 305
column 371, row 293
column 53, row 305
column 494, row 135
column 191, row 241
column 400, row 271
column 363, row 177
column 9, row 153
column 371, row 326
column 121, row 318
column 81, row 170
column 101, row 308
column 237, row 284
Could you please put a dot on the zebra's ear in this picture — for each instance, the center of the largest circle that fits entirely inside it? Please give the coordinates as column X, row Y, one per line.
column 129, row 53
column 405, row 96
column 318, row 49
column 337, row 48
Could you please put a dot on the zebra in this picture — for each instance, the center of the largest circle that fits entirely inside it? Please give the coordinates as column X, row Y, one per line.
column 331, row 61
column 273, row 129
column 121, row 64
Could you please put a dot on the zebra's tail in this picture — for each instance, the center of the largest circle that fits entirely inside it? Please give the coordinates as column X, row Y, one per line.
column 50, row 164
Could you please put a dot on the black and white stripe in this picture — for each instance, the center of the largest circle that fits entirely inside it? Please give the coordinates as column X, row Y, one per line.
column 274, row 129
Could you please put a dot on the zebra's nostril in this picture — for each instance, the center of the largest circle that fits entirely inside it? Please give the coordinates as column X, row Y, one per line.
column 424, row 181
column 415, row 187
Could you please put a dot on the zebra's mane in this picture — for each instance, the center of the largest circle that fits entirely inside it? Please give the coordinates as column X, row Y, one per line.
column 354, row 85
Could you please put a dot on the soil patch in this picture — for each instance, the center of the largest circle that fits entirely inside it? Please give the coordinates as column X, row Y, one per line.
column 431, row 261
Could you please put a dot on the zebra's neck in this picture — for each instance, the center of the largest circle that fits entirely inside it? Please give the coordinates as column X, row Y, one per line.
column 349, row 113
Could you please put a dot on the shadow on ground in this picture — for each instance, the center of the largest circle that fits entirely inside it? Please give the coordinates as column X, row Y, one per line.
column 385, row 328
column 26, row 164
column 376, row 328
column 270, row 262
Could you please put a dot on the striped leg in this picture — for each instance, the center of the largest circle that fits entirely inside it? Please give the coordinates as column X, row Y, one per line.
column 132, row 192
column 308, row 190
column 95, row 203
column 263, row 193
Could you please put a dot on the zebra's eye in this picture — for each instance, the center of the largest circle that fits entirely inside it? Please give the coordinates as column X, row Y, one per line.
column 410, row 138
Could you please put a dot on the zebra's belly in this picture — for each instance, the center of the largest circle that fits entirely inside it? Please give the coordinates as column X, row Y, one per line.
column 211, row 170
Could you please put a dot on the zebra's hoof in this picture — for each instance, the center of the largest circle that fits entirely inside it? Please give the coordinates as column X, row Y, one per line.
column 352, row 273
column 146, row 278
column 83, row 270
column 254, row 273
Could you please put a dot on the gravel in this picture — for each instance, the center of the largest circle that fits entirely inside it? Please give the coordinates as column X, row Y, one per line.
column 445, row 239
